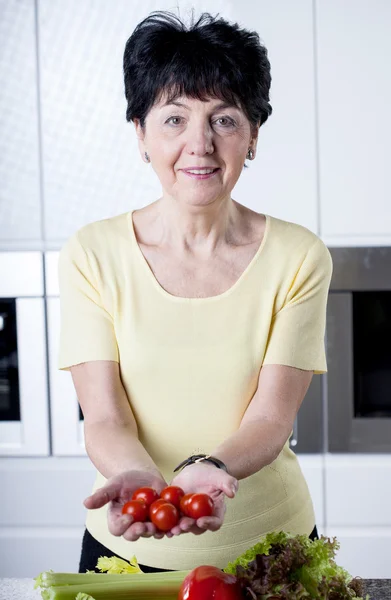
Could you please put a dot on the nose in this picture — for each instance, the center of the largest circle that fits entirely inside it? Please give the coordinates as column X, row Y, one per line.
column 200, row 139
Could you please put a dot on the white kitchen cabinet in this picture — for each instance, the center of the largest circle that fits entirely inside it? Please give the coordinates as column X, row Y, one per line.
column 357, row 502
column 353, row 46
column 20, row 218
column 364, row 552
column 42, row 514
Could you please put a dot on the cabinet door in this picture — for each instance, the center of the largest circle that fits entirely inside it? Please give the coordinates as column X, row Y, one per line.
column 354, row 78
column 92, row 166
column 282, row 179
column 357, row 497
column 20, row 210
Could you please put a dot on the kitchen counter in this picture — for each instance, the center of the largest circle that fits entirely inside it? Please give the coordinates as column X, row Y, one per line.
column 23, row 589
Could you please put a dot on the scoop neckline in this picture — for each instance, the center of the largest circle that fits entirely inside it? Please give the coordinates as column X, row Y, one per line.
column 206, row 299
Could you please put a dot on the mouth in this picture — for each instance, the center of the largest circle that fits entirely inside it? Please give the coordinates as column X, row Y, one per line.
column 206, row 173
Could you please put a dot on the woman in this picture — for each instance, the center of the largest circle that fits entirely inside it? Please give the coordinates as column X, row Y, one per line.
column 194, row 325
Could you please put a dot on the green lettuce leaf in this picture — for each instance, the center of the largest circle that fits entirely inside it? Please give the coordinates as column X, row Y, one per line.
column 293, row 567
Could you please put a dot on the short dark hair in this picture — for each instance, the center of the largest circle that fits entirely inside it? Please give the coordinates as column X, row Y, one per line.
column 211, row 58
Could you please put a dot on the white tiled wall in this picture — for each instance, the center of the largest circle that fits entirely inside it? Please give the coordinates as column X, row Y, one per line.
column 20, row 198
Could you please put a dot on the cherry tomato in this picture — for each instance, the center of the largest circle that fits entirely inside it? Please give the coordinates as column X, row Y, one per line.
column 184, row 502
column 165, row 517
column 172, row 494
column 155, row 505
column 138, row 509
column 209, row 583
column 147, row 494
column 200, row 505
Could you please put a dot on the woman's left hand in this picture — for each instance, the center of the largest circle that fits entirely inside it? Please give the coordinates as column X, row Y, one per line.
column 208, row 479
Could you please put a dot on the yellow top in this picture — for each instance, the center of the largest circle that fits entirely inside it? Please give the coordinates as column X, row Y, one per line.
column 190, row 367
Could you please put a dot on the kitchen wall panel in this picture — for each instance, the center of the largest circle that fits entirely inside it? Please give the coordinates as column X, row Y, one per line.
column 93, row 169
column 20, row 216
column 354, row 79
column 282, row 180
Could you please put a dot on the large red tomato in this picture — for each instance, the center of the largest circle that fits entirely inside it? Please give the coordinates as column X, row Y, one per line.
column 199, row 505
column 165, row 517
column 209, row 583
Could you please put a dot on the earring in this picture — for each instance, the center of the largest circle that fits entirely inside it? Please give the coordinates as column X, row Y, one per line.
column 147, row 157
column 250, row 154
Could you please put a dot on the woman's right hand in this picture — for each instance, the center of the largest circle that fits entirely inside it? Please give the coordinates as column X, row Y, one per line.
column 117, row 491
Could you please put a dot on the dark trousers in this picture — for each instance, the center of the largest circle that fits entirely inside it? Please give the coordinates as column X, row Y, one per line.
column 91, row 550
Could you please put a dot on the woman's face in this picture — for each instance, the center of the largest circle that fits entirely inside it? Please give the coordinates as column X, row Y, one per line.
column 191, row 134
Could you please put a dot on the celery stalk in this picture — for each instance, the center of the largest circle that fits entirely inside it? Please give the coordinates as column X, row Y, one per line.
column 140, row 588
column 102, row 586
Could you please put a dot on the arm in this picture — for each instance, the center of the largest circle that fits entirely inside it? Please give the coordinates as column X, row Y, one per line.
column 264, row 429
column 110, row 428
column 267, row 422
column 113, row 446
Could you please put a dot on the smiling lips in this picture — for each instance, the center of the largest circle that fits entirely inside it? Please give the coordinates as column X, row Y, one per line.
column 200, row 172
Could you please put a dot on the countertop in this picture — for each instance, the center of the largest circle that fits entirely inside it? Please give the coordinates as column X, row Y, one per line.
column 23, row 589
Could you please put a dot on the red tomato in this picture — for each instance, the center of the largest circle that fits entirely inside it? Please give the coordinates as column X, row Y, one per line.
column 147, row 494
column 184, row 502
column 165, row 517
column 172, row 494
column 200, row 505
column 137, row 509
column 209, row 583
column 155, row 505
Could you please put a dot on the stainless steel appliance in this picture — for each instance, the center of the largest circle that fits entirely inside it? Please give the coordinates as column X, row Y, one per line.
column 358, row 338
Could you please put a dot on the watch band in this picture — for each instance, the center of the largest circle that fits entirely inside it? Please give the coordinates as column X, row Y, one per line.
column 196, row 458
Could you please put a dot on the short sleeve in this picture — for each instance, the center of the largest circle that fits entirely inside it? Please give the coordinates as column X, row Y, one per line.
column 87, row 330
column 297, row 333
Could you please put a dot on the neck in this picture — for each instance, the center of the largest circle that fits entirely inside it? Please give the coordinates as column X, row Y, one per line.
column 197, row 230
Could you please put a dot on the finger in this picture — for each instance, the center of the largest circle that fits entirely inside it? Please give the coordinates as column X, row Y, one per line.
column 135, row 531
column 151, row 529
column 118, row 525
column 159, row 535
column 102, row 496
column 211, row 523
column 185, row 524
column 230, row 487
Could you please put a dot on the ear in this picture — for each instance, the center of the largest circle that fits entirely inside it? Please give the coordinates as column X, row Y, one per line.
column 254, row 137
column 140, row 132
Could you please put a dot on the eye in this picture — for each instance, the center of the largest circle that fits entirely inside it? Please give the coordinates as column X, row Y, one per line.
column 171, row 120
column 225, row 122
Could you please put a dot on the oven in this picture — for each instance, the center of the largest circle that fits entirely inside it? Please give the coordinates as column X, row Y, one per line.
column 24, row 410
column 358, row 341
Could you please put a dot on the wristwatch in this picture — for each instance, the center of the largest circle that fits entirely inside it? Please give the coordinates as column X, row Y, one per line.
column 196, row 458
